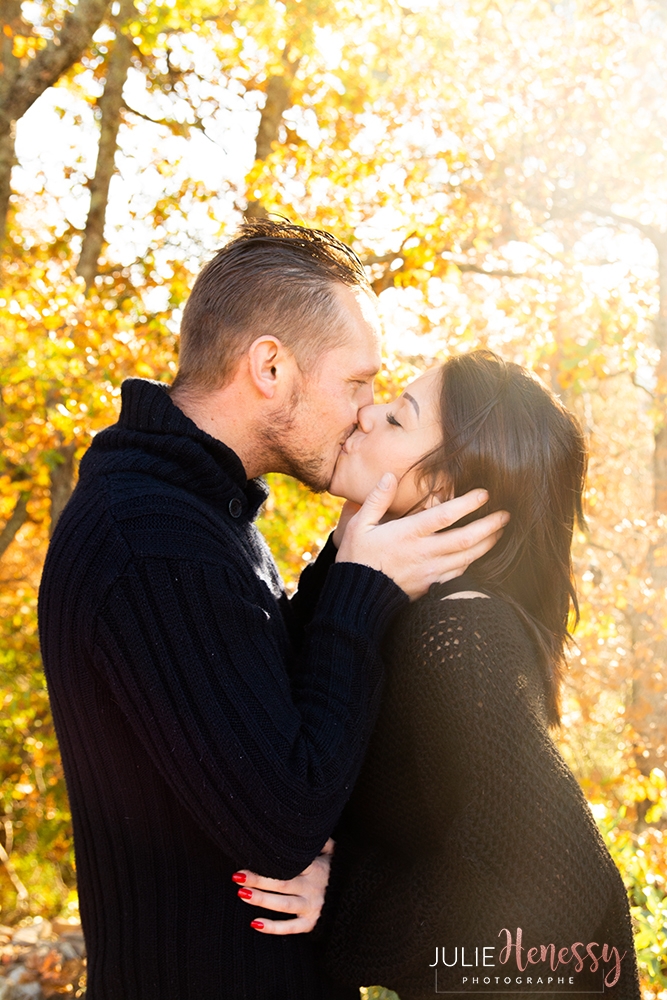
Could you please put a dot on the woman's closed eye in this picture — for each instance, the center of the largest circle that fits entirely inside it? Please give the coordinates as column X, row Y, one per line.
column 391, row 419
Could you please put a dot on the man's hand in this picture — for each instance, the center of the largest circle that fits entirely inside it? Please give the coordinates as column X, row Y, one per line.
column 409, row 549
column 303, row 895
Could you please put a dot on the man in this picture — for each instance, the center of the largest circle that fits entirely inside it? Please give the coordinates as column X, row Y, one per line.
column 205, row 722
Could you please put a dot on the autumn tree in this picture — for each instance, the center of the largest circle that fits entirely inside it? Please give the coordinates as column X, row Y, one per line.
column 488, row 161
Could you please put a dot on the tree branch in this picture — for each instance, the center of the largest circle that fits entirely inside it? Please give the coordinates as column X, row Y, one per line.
column 655, row 235
column 493, row 273
column 21, row 891
column 17, row 519
column 463, row 266
column 180, row 129
column 61, row 52
column 606, row 550
column 21, row 87
column 638, row 385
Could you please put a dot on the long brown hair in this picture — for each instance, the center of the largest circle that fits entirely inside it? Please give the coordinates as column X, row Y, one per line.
column 505, row 431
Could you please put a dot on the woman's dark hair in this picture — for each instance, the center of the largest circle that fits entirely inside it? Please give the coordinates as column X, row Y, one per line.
column 505, row 431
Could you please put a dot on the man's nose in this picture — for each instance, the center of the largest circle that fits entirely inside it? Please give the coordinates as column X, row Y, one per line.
column 366, row 395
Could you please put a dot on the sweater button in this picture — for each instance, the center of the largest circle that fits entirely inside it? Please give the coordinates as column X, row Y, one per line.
column 235, row 507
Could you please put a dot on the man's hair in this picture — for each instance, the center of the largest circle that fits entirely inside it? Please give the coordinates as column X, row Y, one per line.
column 271, row 278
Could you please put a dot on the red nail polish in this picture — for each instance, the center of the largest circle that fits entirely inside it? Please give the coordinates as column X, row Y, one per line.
column 238, row 877
column 257, row 924
column 245, row 893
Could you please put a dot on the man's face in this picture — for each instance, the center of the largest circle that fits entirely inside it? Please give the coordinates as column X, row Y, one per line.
column 307, row 439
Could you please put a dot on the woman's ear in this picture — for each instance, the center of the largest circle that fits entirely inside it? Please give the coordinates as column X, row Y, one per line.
column 439, row 495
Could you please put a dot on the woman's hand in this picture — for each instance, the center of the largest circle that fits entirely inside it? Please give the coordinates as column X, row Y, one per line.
column 303, row 895
column 350, row 508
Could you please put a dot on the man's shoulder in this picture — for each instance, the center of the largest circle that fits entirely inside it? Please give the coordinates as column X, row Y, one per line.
column 113, row 521
column 127, row 533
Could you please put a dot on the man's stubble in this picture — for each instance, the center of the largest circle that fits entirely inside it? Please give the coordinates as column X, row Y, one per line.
column 289, row 455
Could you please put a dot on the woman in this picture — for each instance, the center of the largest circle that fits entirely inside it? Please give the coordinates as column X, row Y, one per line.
column 467, row 859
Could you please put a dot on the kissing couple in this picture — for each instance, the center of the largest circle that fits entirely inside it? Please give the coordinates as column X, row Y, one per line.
column 287, row 799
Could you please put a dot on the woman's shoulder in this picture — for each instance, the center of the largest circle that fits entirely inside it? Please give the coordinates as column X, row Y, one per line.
column 472, row 625
column 475, row 651
column 471, row 611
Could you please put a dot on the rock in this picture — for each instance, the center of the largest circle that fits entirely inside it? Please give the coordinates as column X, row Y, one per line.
column 25, row 991
column 71, row 948
column 36, row 963
column 20, row 985
column 64, row 927
column 32, row 933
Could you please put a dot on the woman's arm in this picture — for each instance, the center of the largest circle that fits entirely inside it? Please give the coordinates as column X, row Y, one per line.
column 301, row 897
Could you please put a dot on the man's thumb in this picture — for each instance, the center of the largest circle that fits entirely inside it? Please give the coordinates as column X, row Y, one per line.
column 379, row 500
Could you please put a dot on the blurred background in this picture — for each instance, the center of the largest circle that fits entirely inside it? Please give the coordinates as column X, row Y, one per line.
column 500, row 166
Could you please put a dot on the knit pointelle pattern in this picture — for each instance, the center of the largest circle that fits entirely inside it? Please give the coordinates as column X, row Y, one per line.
column 206, row 723
column 466, row 819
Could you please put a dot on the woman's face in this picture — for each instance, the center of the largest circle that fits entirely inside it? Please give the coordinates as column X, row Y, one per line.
column 391, row 437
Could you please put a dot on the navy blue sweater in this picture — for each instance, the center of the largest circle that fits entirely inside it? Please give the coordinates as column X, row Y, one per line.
column 206, row 723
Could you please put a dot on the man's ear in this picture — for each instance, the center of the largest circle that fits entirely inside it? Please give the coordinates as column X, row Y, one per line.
column 268, row 362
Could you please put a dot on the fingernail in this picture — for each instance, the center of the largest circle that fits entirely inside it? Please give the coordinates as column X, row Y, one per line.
column 257, row 924
column 238, row 877
column 505, row 519
column 482, row 496
column 385, row 481
column 245, row 893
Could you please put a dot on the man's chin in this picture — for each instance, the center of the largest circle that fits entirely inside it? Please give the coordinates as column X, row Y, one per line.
column 310, row 475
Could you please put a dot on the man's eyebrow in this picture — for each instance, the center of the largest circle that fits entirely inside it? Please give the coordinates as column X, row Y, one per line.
column 406, row 395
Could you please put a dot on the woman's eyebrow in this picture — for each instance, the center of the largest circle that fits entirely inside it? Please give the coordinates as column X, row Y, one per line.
column 406, row 395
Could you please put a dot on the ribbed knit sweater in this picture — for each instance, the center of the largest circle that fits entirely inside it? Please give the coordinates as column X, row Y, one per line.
column 206, row 723
column 466, row 820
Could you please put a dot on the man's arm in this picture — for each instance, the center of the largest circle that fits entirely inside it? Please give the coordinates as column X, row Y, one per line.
column 263, row 763
column 300, row 608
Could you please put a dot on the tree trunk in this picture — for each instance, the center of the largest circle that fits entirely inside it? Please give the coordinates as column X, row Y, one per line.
column 21, row 87
column 7, row 163
column 278, row 99
column 110, row 105
column 62, row 482
column 660, row 452
column 647, row 711
column 11, row 24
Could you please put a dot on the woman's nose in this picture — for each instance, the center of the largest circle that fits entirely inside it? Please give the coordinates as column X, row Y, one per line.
column 366, row 417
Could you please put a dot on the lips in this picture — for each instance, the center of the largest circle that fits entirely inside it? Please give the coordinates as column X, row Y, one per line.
column 349, row 441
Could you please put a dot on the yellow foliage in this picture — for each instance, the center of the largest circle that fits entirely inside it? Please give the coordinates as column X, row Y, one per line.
column 446, row 150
